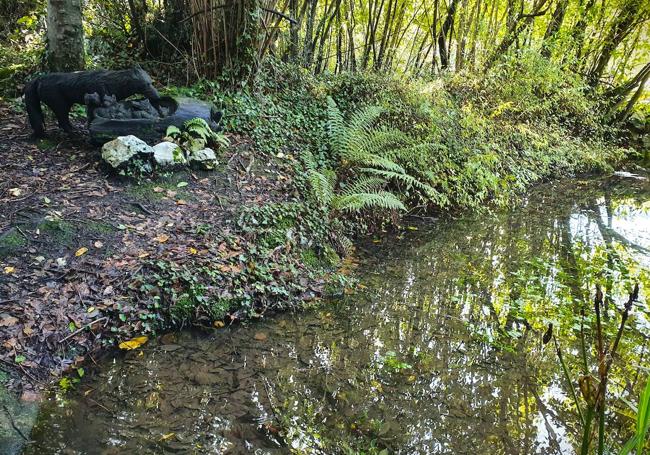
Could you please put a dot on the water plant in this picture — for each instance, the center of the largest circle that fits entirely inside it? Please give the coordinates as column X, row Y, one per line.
column 594, row 386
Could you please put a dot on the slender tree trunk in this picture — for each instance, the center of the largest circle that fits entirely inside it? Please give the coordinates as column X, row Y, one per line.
column 463, row 32
column 295, row 27
column 618, row 95
column 442, row 36
column 625, row 113
column 521, row 23
column 339, row 43
column 308, row 49
column 385, row 36
column 580, row 29
column 474, row 38
column 352, row 59
column 622, row 27
column 554, row 26
column 65, row 37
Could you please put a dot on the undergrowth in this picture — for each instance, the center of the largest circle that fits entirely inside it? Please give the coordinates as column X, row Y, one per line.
column 458, row 142
column 362, row 150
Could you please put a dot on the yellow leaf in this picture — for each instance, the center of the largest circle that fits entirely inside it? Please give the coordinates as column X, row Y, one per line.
column 90, row 309
column 193, row 250
column 181, row 202
column 167, row 436
column 411, row 228
column 81, row 251
column 9, row 269
column 219, row 324
column 143, row 255
column 133, row 343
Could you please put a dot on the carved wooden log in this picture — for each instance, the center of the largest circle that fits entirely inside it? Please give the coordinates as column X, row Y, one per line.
column 152, row 130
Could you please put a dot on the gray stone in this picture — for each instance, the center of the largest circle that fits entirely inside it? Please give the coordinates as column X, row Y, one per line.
column 168, row 154
column 119, row 151
column 204, row 158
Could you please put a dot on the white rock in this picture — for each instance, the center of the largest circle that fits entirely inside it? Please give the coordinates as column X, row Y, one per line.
column 120, row 150
column 168, row 154
column 205, row 158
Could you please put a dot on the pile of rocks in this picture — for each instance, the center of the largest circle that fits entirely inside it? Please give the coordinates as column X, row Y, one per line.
column 126, row 150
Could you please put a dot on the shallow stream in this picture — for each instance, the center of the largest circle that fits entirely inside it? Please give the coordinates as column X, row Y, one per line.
column 438, row 351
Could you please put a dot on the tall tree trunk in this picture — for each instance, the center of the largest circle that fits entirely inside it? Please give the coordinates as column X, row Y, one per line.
column 442, row 36
column 554, row 26
column 579, row 30
column 352, row 59
column 294, row 28
column 625, row 113
column 465, row 26
column 385, row 37
column 521, row 23
column 618, row 95
column 65, row 37
column 625, row 22
column 308, row 48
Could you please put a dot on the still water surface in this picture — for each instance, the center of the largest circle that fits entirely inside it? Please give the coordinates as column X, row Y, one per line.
column 439, row 351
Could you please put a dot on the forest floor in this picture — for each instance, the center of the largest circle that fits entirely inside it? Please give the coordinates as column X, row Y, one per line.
column 73, row 237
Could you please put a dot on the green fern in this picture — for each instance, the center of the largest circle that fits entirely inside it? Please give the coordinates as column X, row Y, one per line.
column 386, row 154
column 376, row 163
column 322, row 187
column 321, row 183
column 196, row 134
column 359, row 201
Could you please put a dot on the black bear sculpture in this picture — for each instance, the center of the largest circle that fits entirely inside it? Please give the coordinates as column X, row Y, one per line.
column 60, row 91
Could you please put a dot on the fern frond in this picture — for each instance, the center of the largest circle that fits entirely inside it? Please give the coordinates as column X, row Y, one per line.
column 309, row 160
column 404, row 178
column 359, row 201
column 376, row 161
column 364, row 185
column 322, row 188
column 360, row 143
column 196, row 122
column 173, row 131
column 336, row 129
column 363, row 120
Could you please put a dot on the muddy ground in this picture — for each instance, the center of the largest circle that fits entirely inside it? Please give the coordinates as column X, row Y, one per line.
column 73, row 238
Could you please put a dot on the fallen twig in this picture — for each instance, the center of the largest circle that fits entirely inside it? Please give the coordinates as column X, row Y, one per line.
column 13, row 424
column 143, row 208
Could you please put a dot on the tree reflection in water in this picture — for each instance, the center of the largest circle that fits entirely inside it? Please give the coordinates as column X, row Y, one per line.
column 439, row 352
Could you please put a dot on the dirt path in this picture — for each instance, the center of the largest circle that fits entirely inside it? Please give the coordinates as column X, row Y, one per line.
column 74, row 240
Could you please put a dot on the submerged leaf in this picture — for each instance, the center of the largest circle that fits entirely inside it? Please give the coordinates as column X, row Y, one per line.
column 133, row 343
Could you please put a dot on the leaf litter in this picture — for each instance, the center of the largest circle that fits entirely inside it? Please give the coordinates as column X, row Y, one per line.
column 60, row 300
